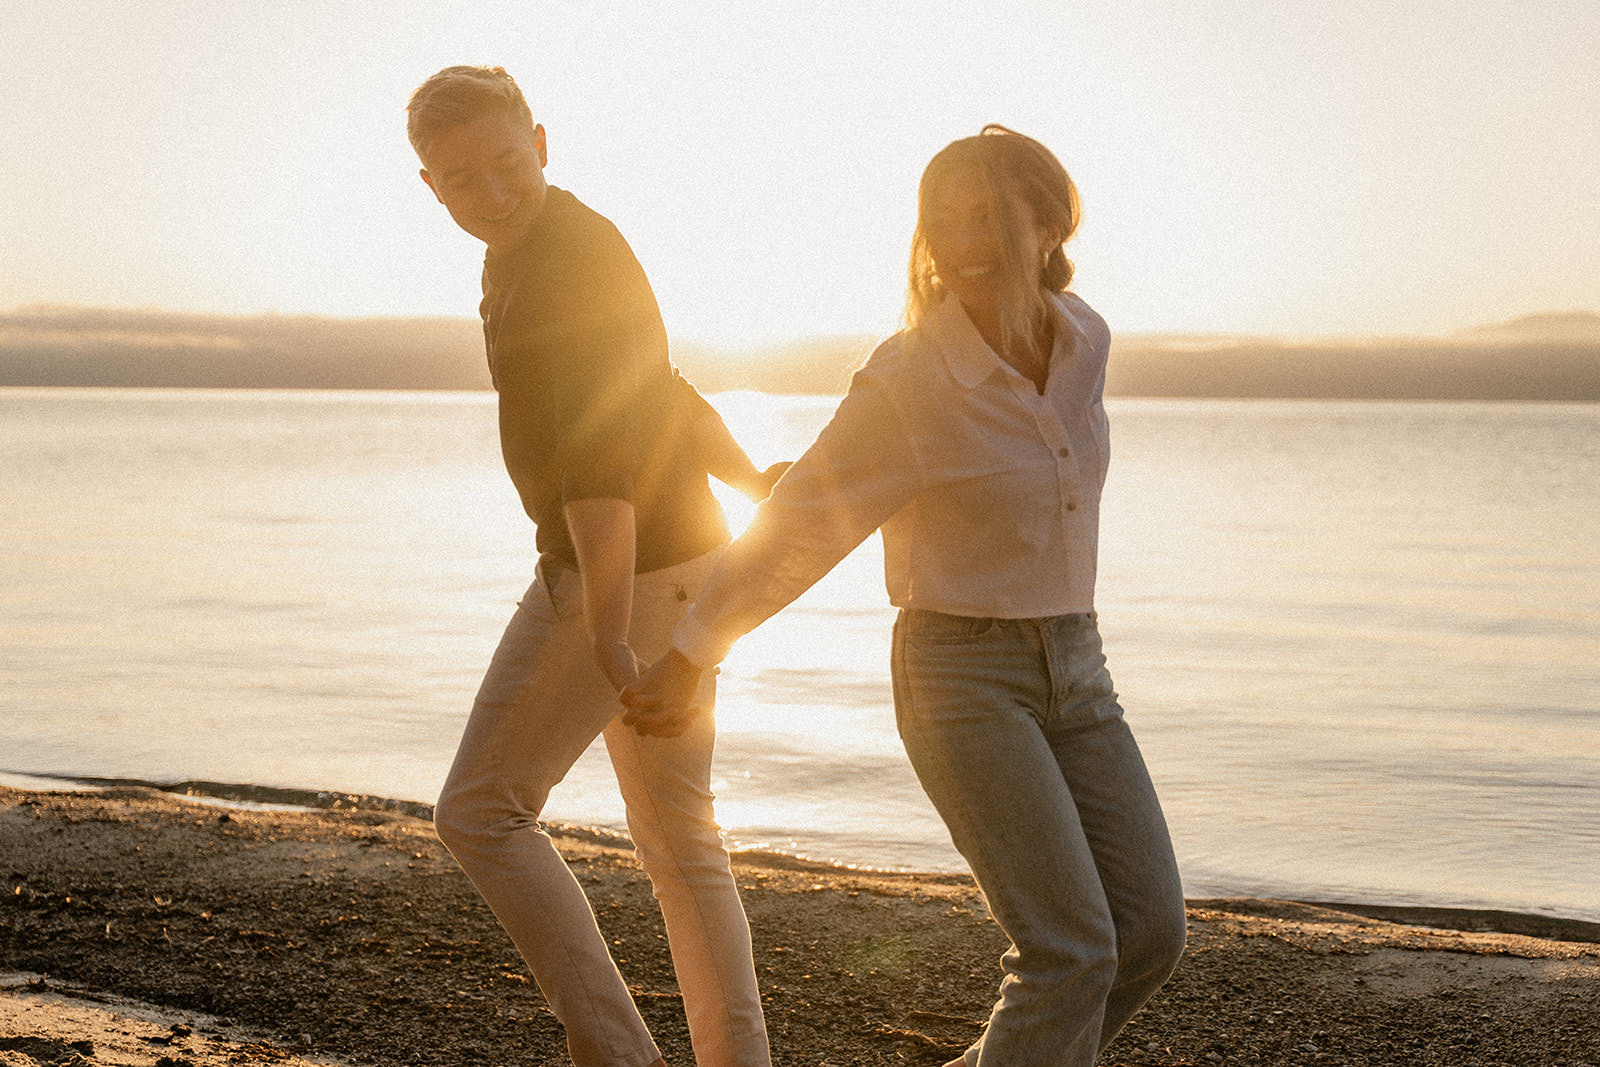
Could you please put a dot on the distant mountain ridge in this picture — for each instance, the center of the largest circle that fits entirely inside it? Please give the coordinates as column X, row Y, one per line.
column 1550, row 356
column 1544, row 325
column 48, row 345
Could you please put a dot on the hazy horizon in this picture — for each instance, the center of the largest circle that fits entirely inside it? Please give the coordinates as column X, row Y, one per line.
column 1545, row 356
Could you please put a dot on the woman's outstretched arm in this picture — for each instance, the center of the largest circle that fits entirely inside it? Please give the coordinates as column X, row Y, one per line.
column 862, row 468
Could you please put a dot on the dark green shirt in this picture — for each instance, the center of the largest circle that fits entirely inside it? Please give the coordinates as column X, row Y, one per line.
column 590, row 406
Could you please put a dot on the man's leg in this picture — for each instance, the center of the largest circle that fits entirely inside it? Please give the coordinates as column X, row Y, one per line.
column 541, row 703
column 666, row 784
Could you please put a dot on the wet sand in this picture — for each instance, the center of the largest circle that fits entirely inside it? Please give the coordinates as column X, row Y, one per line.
column 147, row 930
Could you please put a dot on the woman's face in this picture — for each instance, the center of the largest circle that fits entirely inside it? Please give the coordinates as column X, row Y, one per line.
column 968, row 239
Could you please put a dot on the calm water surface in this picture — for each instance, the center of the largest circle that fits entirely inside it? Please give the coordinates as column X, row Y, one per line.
column 1359, row 642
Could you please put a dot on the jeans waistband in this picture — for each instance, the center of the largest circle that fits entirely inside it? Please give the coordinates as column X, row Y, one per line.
column 1071, row 617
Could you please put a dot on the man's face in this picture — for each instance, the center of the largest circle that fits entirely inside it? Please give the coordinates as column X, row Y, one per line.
column 489, row 174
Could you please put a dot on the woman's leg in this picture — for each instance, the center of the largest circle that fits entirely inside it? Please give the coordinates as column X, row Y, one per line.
column 1120, row 814
column 666, row 785
column 541, row 703
column 969, row 698
column 982, row 711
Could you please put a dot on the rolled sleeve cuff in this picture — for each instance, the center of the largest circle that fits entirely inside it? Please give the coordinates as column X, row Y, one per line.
column 591, row 482
column 699, row 643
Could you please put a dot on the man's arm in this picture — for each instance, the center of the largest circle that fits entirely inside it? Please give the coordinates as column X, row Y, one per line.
column 722, row 457
column 602, row 531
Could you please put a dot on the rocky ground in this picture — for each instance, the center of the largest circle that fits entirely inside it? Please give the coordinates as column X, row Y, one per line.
column 139, row 929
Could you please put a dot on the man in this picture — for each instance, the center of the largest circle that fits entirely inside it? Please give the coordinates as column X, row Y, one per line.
column 609, row 449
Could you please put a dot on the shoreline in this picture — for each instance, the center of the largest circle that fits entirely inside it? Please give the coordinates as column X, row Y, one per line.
column 348, row 936
column 1483, row 919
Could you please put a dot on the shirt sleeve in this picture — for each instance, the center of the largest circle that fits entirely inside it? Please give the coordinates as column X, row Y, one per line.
column 862, row 469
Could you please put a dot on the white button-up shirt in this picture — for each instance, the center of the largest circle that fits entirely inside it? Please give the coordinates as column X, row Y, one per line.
column 987, row 492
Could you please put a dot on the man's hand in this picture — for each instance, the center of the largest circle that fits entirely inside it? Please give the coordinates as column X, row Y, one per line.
column 755, row 484
column 762, row 487
column 618, row 663
column 662, row 702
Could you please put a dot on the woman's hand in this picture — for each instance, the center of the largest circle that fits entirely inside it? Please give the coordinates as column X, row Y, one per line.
column 662, row 702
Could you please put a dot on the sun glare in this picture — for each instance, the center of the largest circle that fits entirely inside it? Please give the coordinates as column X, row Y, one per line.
column 739, row 508
column 748, row 416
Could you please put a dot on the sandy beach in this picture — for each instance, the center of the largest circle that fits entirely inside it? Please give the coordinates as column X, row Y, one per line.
column 142, row 929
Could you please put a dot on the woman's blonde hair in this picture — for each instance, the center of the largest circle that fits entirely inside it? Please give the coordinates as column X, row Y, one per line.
column 458, row 95
column 1024, row 178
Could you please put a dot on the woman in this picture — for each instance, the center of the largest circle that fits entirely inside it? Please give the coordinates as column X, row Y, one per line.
column 976, row 439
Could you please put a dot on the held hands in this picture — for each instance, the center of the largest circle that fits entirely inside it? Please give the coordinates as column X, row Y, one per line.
column 767, row 479
column 662, row 702
column 757, row 485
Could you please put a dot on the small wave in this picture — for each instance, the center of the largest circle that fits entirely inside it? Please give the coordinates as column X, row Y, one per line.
column 233, row 793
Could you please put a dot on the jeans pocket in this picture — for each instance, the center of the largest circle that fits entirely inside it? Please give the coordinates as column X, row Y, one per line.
column 556, row 594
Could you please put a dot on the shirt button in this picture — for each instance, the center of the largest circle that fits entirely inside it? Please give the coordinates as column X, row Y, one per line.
column 1072, row 505
column 1062, row 452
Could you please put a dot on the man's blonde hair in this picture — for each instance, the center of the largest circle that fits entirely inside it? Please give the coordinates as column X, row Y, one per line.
column 458, row 95
column 1022, row 175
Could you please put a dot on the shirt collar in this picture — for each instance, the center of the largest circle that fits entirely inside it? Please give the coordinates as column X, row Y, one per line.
column 968, row 355
column 502, row 264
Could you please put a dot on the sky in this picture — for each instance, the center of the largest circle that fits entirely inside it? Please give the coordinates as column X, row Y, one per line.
column 1287, row 167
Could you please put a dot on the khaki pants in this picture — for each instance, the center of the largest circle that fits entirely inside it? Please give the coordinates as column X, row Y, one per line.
column 542, row 702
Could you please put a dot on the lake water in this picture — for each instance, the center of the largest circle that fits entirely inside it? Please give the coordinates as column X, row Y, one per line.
column 1359, row 642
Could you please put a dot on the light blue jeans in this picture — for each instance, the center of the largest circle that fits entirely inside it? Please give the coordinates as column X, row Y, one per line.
column 1016, row 734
